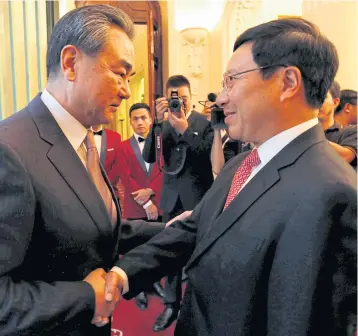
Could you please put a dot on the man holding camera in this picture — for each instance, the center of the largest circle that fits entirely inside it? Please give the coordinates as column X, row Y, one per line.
column 187, row 138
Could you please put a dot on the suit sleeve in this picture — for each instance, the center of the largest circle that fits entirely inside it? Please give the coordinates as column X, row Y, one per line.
column 164, row 254
column 137, row 232
column 29, row 308
column 149, row 146
column 199, row 144
column 328, row 259
column 128, row 181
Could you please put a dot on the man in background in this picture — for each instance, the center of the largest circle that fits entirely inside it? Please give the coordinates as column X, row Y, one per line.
column 346, row 112
column 187, row 138
column 342, row 139
column 107, row 144
column 142, row 181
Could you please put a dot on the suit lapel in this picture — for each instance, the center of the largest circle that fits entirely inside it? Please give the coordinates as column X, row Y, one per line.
column 103, row 153
column 68, row 164
column 134, row 144
column 265, row 179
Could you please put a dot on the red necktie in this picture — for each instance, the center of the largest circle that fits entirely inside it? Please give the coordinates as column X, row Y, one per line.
column 242, row 174
column 95, row 172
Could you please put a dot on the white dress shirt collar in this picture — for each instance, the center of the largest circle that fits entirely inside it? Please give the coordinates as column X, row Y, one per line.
column 274, row 145
column 138, row 136
column 74, row 131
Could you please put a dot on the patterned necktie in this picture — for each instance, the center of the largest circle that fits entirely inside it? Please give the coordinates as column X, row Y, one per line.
column 94, row 169
column 242, row 174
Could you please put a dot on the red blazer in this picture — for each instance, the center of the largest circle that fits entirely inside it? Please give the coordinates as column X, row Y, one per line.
column 109, row 156
column 134, row 176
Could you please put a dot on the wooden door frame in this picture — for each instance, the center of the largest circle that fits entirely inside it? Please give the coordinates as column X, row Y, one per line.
column 144, row 12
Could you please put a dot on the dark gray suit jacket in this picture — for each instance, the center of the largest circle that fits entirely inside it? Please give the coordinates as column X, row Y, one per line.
column 188, row 156
column 54, row 230
column 279, row 261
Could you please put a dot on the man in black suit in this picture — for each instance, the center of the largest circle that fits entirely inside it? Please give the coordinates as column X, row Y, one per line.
column 60, row 222
column 187, row 138
column 342, row 139
column 271, row 248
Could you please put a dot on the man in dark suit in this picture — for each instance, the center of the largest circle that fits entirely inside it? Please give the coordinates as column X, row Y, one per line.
column 142, row 181
column 342, row 139
column 271, row 248
column 187, row 138
column 107, row 143
column 60, row 223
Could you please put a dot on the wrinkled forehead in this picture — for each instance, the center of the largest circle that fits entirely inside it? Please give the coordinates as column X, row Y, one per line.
column 119, row 47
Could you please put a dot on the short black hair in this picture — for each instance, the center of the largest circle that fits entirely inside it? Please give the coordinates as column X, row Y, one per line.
column 347, row 97
column 177, row 81
column 86, row 28
column 295, row 42
column 138, row 106
column 335, row 90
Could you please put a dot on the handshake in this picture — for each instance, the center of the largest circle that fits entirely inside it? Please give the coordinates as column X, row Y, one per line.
column 107, row 288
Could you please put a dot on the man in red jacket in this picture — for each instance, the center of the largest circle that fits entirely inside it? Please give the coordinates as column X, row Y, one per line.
column 142, row 181
column 107, row 143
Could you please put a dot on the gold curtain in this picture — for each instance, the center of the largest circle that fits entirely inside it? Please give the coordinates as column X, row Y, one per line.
column 23, row 42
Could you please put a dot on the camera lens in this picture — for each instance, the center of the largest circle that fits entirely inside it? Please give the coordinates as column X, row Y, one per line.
column 175, row 105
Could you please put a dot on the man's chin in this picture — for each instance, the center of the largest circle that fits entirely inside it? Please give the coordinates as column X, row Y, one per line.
column 108, row 119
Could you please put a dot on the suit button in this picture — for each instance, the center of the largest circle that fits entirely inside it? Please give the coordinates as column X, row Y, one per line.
column 177, row 149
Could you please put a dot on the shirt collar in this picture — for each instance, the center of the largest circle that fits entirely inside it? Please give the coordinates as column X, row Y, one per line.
column 274, row 145
column 74, row 131
column 138, row 136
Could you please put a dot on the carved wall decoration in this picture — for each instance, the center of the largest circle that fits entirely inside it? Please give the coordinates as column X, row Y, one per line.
column 195, row 41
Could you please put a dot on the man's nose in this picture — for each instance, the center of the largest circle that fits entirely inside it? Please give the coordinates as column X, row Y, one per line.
column 125, row 91
column 222, row 98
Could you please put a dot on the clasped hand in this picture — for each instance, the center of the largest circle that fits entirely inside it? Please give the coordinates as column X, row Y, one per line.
column 107, row 288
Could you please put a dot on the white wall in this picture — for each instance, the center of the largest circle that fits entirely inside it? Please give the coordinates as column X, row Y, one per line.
column 338, row 20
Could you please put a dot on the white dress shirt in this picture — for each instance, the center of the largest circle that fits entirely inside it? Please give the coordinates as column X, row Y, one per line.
column 73, row 130
column 141, row 147
column 98, row 140
column 267, row 151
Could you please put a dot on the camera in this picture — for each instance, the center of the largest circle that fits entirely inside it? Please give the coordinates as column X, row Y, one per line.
column 175, row 102
column 217, row 114
column 218, row 118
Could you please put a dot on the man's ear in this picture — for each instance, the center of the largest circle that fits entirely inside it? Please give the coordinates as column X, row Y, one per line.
column 336, row 102
column 291, row 82
column 69, row 56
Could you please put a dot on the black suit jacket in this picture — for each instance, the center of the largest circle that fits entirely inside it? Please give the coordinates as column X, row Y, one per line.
column 54, row 230
column 279, row 261
column 188, row 156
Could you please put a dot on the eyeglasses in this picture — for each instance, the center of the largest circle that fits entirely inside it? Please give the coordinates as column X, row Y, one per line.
column 228, row 80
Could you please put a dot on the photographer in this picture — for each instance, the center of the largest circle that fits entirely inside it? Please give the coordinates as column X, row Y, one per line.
column 186, row 143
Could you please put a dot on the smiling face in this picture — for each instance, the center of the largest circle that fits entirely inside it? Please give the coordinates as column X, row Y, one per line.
column 100, row 83
column 249, row 101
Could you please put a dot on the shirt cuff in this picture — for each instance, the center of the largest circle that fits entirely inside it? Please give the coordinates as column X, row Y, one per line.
column 124, row 278
column 146, row 205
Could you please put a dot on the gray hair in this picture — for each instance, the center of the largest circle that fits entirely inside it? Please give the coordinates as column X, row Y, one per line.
column 86, row 28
